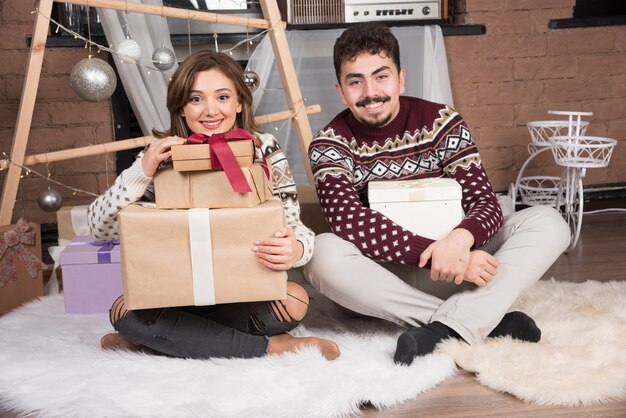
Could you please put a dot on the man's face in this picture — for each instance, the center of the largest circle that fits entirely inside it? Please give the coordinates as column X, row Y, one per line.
column 370, row 86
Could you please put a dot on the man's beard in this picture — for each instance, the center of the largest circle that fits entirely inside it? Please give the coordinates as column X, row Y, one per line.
column 376, row 123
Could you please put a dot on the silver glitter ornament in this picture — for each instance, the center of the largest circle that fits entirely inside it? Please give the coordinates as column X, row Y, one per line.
column 129, row 51
column 163, row 58
column 93, row 79
column 50, row 200
column 252, row 80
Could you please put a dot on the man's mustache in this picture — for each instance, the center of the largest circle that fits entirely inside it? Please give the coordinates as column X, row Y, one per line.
column 369, row 100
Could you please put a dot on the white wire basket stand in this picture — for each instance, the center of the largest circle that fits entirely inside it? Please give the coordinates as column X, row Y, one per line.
column 576, row 154
column 572, row 150
column 542, row 190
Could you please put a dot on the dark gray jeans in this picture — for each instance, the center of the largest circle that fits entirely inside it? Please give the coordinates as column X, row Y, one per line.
column 228, row 330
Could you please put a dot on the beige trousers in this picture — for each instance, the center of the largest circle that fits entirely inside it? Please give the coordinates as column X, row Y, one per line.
column 525, row 247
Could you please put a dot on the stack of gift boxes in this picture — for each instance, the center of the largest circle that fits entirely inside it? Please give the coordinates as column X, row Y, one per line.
column 195, row 246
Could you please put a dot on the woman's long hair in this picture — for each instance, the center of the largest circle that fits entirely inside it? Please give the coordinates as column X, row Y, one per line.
column 182, row 81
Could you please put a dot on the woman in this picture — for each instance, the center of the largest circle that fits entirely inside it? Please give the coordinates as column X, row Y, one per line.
column 207, row 95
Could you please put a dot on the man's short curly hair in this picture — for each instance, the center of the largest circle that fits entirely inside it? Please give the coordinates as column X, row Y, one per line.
column 372, row 37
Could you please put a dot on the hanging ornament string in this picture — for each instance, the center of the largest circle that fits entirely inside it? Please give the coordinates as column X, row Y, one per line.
column 189, row 31
column 93, row 43
column 217, row 49
column 163, row 57
column 49, row 200
column 30, row 170
column 106, row 166
column 88, row 44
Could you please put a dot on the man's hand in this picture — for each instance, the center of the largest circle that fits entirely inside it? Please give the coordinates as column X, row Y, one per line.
column 480, row 269
column 449, row 256
column 280, row 252
column 157, row 152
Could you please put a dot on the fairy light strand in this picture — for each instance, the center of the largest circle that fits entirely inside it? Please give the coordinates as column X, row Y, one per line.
column 89, row 42
column 47, row 178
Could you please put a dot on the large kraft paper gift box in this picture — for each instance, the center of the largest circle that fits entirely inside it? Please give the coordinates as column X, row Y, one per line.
column 92, row 275
column 209, row 189
column 21, row 277
column 428, row 207
column 198, row 256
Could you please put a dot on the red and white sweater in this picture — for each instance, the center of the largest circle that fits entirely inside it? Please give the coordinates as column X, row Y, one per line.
column 424, row 140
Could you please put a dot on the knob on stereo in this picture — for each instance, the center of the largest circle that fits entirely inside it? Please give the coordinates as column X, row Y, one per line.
column 426, row 10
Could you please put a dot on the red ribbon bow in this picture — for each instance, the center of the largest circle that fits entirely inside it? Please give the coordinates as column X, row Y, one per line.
column 222, row 157
column 12, row 246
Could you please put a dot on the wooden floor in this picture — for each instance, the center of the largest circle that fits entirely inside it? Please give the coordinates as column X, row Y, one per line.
column 600, row 255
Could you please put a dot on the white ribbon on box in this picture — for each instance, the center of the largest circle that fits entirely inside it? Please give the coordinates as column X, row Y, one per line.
column 80, row 225
column 199, row 220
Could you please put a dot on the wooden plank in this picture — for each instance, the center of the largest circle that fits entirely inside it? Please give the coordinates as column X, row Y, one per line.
column 289, row 79
column 125, row 144
column 173, row 12
column 25, row 113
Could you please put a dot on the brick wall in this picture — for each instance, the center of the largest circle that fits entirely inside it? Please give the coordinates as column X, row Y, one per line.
column 521, row 69
column 61, row 120
column 500, row 81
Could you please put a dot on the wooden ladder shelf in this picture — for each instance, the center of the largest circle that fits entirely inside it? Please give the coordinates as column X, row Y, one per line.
column 272, row 21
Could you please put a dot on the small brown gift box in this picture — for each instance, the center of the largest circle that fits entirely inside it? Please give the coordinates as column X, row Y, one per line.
column 194, row 157
column 198, row 256
column 209, row 189
column 25, row 287
column 72, row 222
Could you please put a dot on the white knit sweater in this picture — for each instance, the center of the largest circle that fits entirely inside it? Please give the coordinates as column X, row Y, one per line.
column 132, row 185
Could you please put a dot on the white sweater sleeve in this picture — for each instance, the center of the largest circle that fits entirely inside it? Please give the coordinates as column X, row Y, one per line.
column 128, row 188
column 284, row 188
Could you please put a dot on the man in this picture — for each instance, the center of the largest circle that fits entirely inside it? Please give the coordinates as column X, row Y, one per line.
column 460, row 286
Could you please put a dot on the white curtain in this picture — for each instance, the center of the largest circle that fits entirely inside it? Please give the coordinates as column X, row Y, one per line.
column 145, row 86
column 422, row 54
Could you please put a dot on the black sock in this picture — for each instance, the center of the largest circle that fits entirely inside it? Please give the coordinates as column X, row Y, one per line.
column 519, row 326
column 419, row 341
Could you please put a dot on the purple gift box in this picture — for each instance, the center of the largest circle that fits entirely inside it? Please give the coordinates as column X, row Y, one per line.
column 92, row 275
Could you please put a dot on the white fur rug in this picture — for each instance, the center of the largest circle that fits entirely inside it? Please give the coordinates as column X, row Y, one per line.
column 51, row 365
column 581, row 358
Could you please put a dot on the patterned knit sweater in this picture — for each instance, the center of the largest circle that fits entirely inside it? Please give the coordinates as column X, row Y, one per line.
column 133, row 185
column 424, row 140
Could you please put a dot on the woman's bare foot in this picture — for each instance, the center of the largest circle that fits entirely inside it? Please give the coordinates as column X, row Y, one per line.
column 116, row 341
column 282, row 343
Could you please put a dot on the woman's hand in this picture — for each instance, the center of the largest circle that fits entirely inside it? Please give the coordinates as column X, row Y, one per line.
column 449, row 256
column 157, row 152
column 481, row 268
column 279, row 252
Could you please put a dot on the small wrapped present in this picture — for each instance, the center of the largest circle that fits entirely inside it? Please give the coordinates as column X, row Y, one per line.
column 92, row 275
column 72, row 222
column 196, row 157
column 21, row 278
column 218, row 152
column 428, row 207
column 198, row 256
column 209, row 189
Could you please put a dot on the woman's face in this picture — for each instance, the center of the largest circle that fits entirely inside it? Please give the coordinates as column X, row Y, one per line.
column 212, row 105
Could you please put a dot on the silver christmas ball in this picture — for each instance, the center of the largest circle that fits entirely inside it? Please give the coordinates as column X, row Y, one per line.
column 163, row 58
column 252, row 80
column 129, row 51
column 50, row 200
column 93, row 79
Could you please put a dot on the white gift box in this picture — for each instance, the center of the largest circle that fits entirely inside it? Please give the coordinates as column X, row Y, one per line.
column 428, row 207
